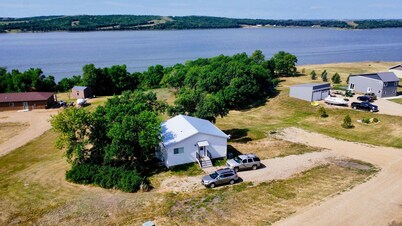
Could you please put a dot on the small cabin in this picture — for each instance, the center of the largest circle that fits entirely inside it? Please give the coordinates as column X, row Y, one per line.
column 81, row 92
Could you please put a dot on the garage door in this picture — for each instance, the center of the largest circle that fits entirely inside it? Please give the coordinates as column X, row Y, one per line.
column 324, row 94
column 316, row 95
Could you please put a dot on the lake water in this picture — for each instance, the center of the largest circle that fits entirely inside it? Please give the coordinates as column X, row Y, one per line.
column 62, row 54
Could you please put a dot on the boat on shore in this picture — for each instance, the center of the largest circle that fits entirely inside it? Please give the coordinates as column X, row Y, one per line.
column 335, row 101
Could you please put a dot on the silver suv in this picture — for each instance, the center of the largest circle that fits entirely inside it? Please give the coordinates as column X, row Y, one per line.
column 246, row 161
column 221, row 176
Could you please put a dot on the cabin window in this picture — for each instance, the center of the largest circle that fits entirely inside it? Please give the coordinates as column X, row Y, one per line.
column 395, row 83
column 11, row 104
column 385, row 84
column 78, row 93
column 178, row 151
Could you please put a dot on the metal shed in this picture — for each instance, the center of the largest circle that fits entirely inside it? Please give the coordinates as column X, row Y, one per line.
column 310, row 92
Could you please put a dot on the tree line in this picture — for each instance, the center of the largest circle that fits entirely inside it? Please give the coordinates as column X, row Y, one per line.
column 134, row 22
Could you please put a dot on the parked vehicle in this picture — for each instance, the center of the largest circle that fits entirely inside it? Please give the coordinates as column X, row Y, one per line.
column 335, row 101
column 349, row 93
column 364, row 98
column 364, row 106
column 371, row 95
column 219, row 177
column 246, row 161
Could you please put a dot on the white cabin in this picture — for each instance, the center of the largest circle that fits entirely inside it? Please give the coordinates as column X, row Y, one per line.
column 188, row 139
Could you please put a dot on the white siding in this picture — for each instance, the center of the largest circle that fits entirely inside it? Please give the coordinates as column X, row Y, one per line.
column 397, row 73
column 217, row 147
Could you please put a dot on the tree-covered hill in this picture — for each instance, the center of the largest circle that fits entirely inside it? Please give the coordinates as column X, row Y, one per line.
column 133, row 22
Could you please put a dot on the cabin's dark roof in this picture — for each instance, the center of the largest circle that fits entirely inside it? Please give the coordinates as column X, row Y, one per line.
column 79, row 88
column 28, row 96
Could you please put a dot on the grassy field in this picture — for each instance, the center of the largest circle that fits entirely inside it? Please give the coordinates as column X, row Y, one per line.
column 10, row 129
column 343, row 69
column 283, row 111
column 33, row 191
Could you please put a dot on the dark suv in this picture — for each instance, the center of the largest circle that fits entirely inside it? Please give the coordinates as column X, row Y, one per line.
column 221, row 176
column 247, row 161
column 364, row 106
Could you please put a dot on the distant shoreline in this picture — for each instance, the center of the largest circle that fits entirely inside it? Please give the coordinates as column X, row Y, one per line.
column 84, row 23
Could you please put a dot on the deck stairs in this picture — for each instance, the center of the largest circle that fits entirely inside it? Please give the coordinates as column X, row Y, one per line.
column 205, row 162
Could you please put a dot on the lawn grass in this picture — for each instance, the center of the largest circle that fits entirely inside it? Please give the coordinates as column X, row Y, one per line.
column 399, row 101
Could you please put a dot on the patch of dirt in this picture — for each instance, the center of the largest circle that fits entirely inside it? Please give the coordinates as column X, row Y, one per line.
column 10, row 129
column 37, row 122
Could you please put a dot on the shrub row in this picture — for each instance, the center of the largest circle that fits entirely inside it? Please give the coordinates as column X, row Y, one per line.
column 105, row 176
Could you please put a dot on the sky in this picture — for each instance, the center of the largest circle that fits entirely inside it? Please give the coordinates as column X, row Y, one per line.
column 264, row 9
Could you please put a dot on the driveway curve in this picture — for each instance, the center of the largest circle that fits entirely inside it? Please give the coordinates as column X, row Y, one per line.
column 376, row 202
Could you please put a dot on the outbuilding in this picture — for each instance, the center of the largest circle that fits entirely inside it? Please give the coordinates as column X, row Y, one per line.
column 81, row 92
column 310, row 91
column 26, row 101
column 397, row 70
column 382, row 84
column 188, row 139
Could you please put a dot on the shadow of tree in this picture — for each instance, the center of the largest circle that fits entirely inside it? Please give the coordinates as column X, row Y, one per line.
column 238, row 135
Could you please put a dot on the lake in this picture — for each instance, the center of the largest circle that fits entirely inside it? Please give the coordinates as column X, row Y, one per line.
column 63, row 54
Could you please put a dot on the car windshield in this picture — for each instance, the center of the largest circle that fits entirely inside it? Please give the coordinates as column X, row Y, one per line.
column 237, row 159
column 214, row 175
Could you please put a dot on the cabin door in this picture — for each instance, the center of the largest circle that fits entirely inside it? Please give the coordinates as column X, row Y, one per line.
column 25, row 105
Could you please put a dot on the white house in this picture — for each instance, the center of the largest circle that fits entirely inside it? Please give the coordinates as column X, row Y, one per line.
column 397, row 69
column 188, row 139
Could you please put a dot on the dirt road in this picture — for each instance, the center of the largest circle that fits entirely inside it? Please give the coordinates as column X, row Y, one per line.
column 38, row 121
column 272, row 169
column 376, row 202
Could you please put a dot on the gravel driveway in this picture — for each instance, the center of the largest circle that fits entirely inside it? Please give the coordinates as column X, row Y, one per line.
column 385, row 106
column 272, row 169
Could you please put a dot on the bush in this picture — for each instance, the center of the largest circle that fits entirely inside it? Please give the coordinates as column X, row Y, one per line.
column 375, row 120
column 323, row 112
column 105, row 176
column 347, row 122
column 366, row 120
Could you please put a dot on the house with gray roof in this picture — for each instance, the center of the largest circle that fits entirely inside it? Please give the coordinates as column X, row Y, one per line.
column 310, row 91
column 382, row 84
column 397, row 69
column 188, row 139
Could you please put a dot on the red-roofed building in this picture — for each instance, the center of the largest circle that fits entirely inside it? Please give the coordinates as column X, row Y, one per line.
column 26, row 101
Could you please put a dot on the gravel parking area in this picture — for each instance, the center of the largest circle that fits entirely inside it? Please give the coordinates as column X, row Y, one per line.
column 385, row 106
